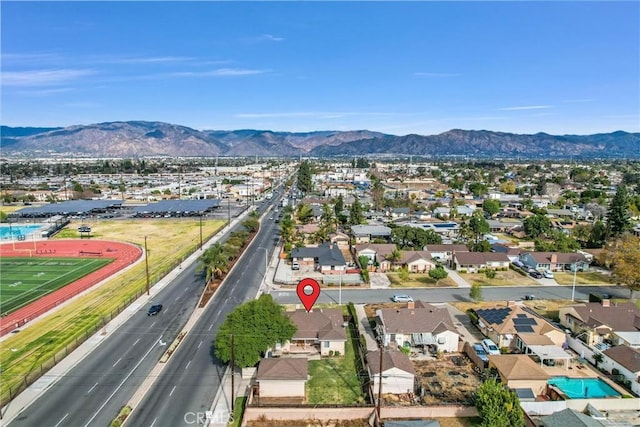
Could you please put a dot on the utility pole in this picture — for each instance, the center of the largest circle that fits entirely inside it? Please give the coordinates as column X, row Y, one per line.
column 228, row 212
column 380, row 388
column 232, row 373
column 146, row 261
column 200, row 231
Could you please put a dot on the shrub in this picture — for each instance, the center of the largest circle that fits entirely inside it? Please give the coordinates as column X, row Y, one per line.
column 330, row 353
column 463, row 271
column 336, row 353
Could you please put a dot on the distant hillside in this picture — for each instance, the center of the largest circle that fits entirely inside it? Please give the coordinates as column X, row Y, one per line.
column 143, row 139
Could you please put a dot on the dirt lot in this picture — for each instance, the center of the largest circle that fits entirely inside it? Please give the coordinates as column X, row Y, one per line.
column 448, row 380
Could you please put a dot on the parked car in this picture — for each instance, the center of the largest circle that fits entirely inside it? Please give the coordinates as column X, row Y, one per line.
column 529, row 297
column 547, row 274
column 536, row 274
column 295, row 265
column 489, row 346
column 401, row 298
column 480, row 352
column 154, row 309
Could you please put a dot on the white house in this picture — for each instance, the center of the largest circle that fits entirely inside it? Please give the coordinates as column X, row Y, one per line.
column 419, row 324
column 398, row 374
column 282, row 377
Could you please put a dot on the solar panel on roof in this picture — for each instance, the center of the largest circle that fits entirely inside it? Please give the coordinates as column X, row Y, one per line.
column 523, row 328
column 521, row 315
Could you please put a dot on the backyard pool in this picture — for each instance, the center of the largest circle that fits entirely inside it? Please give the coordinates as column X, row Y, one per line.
column 8, row 231
column 583, row 388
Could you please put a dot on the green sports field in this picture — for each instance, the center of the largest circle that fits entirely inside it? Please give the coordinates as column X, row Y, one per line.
column 23, row 280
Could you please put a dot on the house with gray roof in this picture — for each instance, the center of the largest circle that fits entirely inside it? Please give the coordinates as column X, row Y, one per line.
column 597, row 321
column 626, row 361
column 325, row 258
column 555, row 261
column 418, row 324
column 320, row 331
column 568, row 418
column 367, row 233
column 472, row 262
column 398, row 374
column 283, row 377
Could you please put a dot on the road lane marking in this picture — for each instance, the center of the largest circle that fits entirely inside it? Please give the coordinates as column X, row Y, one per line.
column 120, row 385
column 200, row 344
column 218, row 313
column 117, row 361
column 210, row 327
column 60, row 422
column 91, row 389
column 153, row 423
column 136, row 342
column 177, row 298
column 152, row 324
column 188, row 363
column 172, row 390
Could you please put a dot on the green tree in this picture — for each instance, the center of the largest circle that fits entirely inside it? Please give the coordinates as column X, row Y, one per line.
column 305, row 185
column 478, row 188
column 254, row 327
column 327, row 221
column 491, row 206
column 478, row 225
column 214, row 261
column 304, row 214
column 618, row 213
column 476, row 292
column 355, row 213
column 536, row 225
column 377, row 195
column 251, row 224
column 438, row 273
column 498, row 406
column 3, row 216
column 363, row 260
column 338, row 205
column 598, row 235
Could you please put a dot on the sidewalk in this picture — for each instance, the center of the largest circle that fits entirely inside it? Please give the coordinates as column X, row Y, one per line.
column 23, row 400
column 365, row 328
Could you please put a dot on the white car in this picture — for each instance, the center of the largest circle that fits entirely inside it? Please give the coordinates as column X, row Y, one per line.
column 489, row 346
column 401, row 298
column 547, row 274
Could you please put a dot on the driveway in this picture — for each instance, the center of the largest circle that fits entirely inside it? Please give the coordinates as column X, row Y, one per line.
column 379, row 281
column 456, row 278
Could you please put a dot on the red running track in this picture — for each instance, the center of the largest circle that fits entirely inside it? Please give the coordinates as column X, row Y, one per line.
column 124, row 254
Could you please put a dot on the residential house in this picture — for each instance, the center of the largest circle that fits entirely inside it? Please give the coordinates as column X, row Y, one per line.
column 396, row 213
column 340, row 239
column 282, row 377
column 514, row 326
column 444, row 253
column 317, row 331
column 519, row 371
column 418, row 324
column 513, row 252
column 398, row 374
column 416, row 261
column 472, row 262
column 500, row 226
column 596, row 322
column 367, row 233
column 376, row 252
column 325, row 258
column 555, row 261
column 568, row 418
column 625, row 360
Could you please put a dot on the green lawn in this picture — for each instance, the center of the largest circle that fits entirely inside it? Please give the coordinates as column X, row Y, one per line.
column 418, row 280
column 582, row 278
column 24, row 280
column 335, row 380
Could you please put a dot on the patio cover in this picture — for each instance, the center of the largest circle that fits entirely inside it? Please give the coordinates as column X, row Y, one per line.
column 423, row 338
column 546, row 352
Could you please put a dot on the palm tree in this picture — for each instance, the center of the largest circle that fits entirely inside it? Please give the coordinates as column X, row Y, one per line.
column 214, row 260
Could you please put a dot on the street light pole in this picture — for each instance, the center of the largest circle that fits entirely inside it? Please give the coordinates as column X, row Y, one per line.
column 146, row 262
column 573, row 288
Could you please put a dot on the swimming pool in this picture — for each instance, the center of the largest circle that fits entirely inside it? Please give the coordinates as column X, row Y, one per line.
column 14, row 230
column 583, row 388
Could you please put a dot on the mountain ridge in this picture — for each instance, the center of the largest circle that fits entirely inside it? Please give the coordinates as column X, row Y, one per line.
column 145, row 139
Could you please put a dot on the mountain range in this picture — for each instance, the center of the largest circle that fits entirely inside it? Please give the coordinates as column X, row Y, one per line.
column 145, row 139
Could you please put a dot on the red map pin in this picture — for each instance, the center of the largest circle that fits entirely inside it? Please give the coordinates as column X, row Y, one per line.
column 308, row 291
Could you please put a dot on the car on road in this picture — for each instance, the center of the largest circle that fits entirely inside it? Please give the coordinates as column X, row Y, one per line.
column 529, row 297
column 401, row 298
column 154, row 309
column 489, row 346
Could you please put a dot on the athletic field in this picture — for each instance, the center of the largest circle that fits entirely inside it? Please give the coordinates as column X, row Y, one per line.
column 24, row 280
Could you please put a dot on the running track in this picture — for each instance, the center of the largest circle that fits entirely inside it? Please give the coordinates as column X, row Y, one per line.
column 124, row 254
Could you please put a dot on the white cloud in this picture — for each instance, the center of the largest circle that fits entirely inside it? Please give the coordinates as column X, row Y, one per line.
column 140, row 59
column 220, row 72
column 526, row 107
column 270, row 37
column 45, row 92
column 42, row 77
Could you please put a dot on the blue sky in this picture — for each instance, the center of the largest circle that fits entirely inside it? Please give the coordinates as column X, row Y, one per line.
column 393, row 67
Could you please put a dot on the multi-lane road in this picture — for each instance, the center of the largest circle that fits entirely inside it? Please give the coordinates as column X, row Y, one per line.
column 95, row 390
